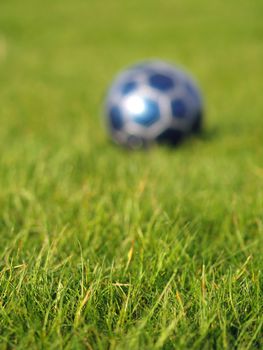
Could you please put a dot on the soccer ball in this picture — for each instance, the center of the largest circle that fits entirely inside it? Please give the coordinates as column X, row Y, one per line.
column 152, row 101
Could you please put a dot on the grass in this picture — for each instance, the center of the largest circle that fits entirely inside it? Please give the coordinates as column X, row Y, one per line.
column 105, row 249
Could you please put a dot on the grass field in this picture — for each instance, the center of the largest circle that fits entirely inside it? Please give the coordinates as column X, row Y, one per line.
column 101, row 248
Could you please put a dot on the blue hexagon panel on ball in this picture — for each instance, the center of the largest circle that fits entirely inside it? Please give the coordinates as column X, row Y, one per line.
column 151, row 102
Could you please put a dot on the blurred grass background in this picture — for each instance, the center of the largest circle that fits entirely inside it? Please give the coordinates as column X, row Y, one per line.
column 102, row 248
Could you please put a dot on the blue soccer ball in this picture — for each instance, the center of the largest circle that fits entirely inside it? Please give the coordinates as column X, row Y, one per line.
column 152, row 101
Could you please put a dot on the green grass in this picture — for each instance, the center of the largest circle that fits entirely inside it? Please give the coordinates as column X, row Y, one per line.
column 101, row 248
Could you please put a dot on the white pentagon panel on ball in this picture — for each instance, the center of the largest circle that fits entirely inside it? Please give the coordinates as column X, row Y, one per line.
column 126, row 82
